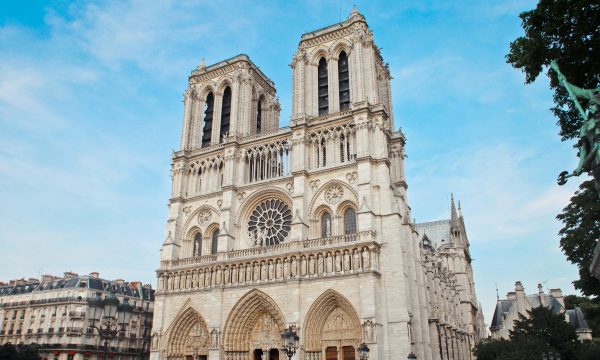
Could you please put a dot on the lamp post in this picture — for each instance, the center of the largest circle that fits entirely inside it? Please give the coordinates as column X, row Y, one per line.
column 289, row 341
column 111, row 315
column 363, row 351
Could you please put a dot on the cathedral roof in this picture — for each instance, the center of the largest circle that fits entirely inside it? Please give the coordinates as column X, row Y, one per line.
column 438, row 232
column 354, row 16
column 232, row 60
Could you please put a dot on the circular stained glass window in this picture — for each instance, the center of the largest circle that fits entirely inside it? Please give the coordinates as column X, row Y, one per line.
column 270, row 223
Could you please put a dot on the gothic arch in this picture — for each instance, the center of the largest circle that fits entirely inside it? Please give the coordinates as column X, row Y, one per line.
column 192, row 220
column 187, row 335
column 255, row 198
column 331, row 321
column 246, row 316
column 317, row 200
column 204, row 91
column 338, row 47
column 223, row 84
column 319, row 53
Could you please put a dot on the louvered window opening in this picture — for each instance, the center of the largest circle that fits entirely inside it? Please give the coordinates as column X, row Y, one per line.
column 344, row 82
column 225, row 112
column 259, row 117
column 323, row 87
column 208, row 120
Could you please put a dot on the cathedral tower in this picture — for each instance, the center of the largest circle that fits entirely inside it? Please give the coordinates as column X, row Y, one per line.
column 305, row 226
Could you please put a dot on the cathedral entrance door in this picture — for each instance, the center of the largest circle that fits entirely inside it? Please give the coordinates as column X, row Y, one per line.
column 273, row 354
column 331, row 353
column 348, row 353
column 258, row 354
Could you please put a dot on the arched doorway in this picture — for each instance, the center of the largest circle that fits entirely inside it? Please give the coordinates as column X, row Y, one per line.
column 253, row 328
column 331, row 328
column 188, row 337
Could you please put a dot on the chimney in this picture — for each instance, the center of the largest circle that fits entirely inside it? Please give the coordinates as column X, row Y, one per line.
column 557, row 294
column 33, row 281
column 70, row 274
column 520, row 293
column 119, row 281
column 511, row 295
column 47, row 277
column 94, row 274
column 541, row 295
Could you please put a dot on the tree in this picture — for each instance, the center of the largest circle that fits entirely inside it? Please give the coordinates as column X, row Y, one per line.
column 540, row 332
column 590, row 309
column 20, row 352
column 567, row 31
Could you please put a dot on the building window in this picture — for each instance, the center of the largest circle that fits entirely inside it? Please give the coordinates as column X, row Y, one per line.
column 197, row 251
column 225, row 112
column 215, row 241
column 344, row 81
column 259, row 116
column 323, row 152
column 208, row 119
column 323, row 87
column 349, row 221
column 270, row 223
column 325, row 225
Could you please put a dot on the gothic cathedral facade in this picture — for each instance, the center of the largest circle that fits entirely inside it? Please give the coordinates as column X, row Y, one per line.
column 305, row 226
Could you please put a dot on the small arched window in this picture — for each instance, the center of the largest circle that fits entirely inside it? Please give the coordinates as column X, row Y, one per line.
column 349, row 221
column 323, row 152
column 197, row 245
column 259, row 116
column 215, row 241
column 323, row 87
column 344, row 81
column 225, row 112
column 208, row 119
column 325, row 225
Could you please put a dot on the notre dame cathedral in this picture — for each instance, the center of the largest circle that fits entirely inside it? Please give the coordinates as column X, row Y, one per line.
column 308, row 225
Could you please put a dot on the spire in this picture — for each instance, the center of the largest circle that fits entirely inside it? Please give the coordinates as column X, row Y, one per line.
column 459, row 210
column 202, row 65
column 354, row 13
column 453, row 214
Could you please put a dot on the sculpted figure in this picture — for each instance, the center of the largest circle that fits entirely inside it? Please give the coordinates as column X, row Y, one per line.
column 286, row 269
column 293, row 268
column 279, row 269
column 356, row 260
column 366, row 263
column 338, row 262
column 263, row 271
column 271, row 270
column 329, row 263
column 320, row 265
column 311, row 265
column 226, row 279
column 201, row 278
column 589, row 133
column 346, row 261
column 214, row 338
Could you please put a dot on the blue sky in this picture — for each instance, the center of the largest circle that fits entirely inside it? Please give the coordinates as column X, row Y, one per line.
column 91, row 107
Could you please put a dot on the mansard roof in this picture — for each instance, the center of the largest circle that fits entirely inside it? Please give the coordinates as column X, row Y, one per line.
column 134, row 289
column 575, row 317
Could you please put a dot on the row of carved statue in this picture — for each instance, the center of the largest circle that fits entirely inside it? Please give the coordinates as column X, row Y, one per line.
column 326, row 263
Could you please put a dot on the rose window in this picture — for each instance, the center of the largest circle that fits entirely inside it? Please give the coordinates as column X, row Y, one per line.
column 269, row 223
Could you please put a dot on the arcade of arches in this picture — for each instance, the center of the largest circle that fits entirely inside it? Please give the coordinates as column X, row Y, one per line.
column 331, row 330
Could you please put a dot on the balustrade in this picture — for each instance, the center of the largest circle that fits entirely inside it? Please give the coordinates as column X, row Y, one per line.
column 334, row 256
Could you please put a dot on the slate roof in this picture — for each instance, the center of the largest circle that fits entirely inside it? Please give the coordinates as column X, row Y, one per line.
column 575, row 317
column 84, row 281
column 438, row 232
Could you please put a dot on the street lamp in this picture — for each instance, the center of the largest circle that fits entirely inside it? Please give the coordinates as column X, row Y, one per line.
column 112, row 315
column 411, row 356
column 289, row 341
column 363, row 351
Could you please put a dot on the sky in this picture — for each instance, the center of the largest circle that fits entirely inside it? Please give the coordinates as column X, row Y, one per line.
column 91, row 109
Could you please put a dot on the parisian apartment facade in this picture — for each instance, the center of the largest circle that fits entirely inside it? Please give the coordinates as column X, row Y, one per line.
column 306, row 226
column 52, row 312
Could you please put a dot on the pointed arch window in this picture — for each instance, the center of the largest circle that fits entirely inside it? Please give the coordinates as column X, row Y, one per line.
column 323, row 87
column 225, row 112
column 197, row 245
column 259, row 116
column 344, row 81
column 214, row 242
column 208, row 119
column 325, row 224
column 349, row 221
column 323, row 148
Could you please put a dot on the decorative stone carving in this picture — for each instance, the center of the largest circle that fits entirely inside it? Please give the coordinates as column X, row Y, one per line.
column 214, row 339
column 187, row 210
column 204, row 217
column 270, row 223
column 334, row 194
column 290, row 187
column 314, row 184
column 369, row 331
column 241, row 195
column 351, row 177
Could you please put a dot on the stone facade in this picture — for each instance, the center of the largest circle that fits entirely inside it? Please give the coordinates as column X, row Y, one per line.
column 305, row 226
column 52, row 312
column 517, row 303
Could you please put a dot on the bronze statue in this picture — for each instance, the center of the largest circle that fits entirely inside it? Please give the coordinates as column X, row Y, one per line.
column 589, row 133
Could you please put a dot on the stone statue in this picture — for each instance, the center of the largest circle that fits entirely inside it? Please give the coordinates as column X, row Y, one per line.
column 155, row 341
column 589, row 133
column 214, row 338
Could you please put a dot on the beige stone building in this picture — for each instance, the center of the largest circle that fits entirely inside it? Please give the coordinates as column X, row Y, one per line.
column 52, row 312
column 518, row 303
column 305, row 226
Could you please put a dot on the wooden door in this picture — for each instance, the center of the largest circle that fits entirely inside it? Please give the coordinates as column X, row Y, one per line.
column 348, row 353
column 274, row 354
column 331, row 353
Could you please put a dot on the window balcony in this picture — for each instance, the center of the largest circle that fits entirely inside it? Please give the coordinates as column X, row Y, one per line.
column 76, row 314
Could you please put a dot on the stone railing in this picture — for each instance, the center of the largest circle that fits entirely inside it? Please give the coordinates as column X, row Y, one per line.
column 282, row 248
column 308, row 259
